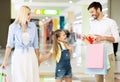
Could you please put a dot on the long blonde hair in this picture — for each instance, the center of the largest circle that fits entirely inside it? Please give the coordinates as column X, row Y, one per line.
column 55, row 43
column 22, row 14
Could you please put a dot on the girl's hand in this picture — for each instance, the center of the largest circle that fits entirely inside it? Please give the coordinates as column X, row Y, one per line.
column 68, row 46
column 39, row 60
column 83, row 37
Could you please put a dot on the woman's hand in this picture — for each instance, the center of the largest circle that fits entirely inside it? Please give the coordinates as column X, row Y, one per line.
column 44, row 58
column 3, row 66
column 7, row 53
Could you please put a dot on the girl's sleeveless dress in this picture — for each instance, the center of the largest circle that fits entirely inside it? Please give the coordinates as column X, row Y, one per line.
column 24, row 65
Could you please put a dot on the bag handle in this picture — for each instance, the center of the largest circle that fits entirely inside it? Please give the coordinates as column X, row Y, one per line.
column 3, row 72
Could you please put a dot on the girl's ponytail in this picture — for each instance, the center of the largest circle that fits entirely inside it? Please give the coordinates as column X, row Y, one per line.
column 55, row 43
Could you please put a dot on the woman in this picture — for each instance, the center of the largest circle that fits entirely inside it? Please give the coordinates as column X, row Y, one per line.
column 22, row 35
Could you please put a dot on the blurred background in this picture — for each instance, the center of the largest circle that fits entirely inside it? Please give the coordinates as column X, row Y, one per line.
column 49, row 15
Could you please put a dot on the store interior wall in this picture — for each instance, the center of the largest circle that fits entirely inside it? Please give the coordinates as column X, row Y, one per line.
column 5, row 14
column 4, row 21
column 114, row 11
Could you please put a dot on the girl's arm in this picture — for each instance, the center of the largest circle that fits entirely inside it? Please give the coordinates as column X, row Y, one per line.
column 37, row 55
column 37, row 52
column 70, row 50
column 7, row 53
column 41, row 59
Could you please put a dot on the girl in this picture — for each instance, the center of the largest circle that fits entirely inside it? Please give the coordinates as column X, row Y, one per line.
column 61, row 53
column 23, row 37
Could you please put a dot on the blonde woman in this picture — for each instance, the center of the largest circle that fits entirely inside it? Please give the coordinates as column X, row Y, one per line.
column 22, row 35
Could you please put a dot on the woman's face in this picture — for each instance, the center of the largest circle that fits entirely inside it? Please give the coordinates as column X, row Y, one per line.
column 28, row 16
column 62, row 37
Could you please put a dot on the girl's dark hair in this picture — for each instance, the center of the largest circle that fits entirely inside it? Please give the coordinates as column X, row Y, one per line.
column 96, row 5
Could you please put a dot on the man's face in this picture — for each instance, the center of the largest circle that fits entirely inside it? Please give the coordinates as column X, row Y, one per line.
column 94, row 13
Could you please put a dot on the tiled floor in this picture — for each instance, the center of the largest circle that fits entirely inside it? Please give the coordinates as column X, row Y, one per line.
column 47, row 69
column 47, row 73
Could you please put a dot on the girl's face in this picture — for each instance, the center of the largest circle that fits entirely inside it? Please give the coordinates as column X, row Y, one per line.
column 62, row 37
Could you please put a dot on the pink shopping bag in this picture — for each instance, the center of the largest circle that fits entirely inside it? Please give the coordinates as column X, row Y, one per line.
column 101, row 71
column 95, row 56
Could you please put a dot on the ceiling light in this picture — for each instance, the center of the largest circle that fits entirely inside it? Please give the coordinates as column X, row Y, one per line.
column 46, row 17
column 40, row 23
column 37, row 11
column 70, row 1
column 78, row 21
column 30, row 0
column 79, row 17
column 43, row 20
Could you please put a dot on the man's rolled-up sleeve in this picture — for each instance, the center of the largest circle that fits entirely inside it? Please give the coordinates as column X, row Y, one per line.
column 115, row 32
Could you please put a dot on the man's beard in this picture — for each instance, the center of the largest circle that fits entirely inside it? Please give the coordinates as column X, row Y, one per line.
column 96, row 15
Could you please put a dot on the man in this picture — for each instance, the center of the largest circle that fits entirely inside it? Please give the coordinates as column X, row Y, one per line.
column 105, row 31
